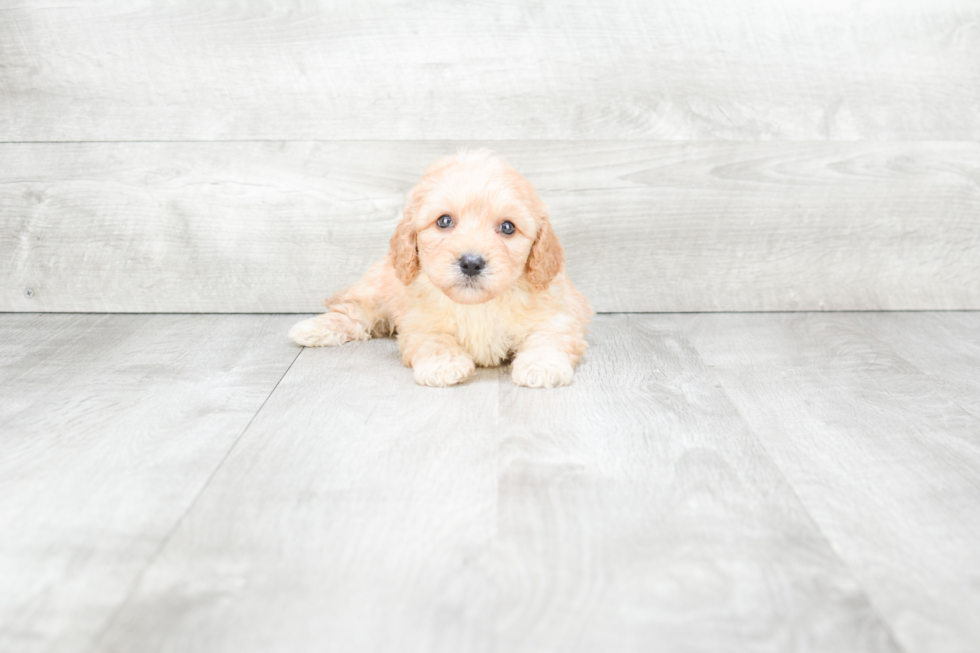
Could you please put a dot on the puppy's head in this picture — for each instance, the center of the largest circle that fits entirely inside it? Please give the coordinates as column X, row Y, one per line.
column 475, row 226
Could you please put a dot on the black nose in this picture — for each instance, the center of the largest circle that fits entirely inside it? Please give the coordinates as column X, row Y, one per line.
column 471, row 264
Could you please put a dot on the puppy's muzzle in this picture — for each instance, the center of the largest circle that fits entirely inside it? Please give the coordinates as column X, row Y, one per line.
column 471, row 265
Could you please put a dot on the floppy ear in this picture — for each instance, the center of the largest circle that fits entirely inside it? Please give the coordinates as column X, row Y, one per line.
column 404, row 251
column 546, row 258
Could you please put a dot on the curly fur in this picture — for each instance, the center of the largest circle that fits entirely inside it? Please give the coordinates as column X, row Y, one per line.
column 521, row 306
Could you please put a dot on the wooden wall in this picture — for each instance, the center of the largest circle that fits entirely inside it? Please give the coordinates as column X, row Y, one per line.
column 696, row 154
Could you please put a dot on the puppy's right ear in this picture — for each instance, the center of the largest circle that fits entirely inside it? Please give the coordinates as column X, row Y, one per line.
column 404, row 250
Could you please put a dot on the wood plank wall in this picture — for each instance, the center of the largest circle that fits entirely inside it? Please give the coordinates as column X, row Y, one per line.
column 697, row 155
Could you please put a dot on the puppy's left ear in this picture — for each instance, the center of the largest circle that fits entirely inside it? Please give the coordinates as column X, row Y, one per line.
column 547, row 257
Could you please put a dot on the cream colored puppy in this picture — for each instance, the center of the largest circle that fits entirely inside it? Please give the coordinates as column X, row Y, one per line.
column 475, row 275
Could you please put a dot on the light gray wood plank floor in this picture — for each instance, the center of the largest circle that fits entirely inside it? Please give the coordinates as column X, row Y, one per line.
column 852, row 424
column 750, row 482
column 110, row 426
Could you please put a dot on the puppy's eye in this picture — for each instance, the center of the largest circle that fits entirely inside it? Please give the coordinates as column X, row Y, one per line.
column 507, row 227
column 444, row 222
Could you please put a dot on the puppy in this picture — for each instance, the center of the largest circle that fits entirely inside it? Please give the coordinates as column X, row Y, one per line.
column 475, row 275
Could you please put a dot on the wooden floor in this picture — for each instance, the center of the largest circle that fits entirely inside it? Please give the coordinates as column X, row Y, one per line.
column 710, row 482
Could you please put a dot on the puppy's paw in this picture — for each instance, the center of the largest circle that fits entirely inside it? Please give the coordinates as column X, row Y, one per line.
column 327, row 330
column 542, row 369
column 443, row 370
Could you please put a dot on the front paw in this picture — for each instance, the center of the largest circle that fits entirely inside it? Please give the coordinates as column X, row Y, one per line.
column 327, row 330
column 542, row 369
column 443, row 370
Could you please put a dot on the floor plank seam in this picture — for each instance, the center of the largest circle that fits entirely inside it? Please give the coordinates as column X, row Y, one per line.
column 190, row 506
column 831, row 505
column 885, row 624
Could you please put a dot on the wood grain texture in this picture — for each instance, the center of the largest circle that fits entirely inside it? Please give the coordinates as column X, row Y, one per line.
column 435, row 69
column 357, row 513
column 647, row 226
column 638, row 513
column 109, row 428
column 765, row 482
column 881, row 456
column 946, row 347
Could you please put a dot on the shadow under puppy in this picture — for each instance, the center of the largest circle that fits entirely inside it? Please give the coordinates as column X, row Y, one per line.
column 475, row 274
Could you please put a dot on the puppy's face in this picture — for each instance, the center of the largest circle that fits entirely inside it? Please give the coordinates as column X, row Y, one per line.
column 475, row 226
